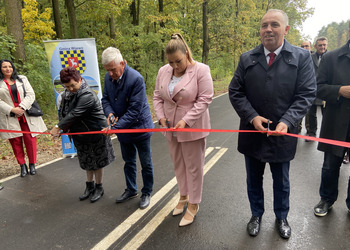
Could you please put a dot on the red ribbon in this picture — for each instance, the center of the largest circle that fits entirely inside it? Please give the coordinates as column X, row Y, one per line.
column 123, row 131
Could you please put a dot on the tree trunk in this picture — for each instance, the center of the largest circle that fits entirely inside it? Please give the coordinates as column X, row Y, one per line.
column 162, row 25
column 13, row 12
column 205, row 53
column 112, row 27
column 72, row 19
column 57, row 18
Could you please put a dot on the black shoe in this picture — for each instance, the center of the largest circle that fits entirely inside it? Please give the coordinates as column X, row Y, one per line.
column 283, row 228
column 253, row 226
column 98, row 193
column 90, row 188
column 145, row 200
column 32, row 170
column 322, row 208
column 127, row 195
column 24, row 170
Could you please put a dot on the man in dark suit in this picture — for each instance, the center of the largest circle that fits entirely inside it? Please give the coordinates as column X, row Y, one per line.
column 125, row 104
column 272, row 98
column 321, row 46
column 334, row 87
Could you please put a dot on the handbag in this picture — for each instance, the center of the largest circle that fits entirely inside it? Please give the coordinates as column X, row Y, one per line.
column 35, row 110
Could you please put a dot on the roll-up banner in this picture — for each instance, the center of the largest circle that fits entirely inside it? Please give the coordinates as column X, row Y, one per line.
column 80, row 54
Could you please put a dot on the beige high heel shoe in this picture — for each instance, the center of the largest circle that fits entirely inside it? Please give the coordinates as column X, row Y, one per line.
column 178, row 211
column 185, row 222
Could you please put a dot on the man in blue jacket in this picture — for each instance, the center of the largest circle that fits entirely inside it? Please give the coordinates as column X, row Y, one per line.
column 273, row 87
column 125, row 104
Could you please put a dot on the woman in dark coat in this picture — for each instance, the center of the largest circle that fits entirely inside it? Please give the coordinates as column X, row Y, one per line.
column 81, row 111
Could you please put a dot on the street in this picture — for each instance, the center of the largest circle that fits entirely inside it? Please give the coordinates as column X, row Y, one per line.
column 44, row 212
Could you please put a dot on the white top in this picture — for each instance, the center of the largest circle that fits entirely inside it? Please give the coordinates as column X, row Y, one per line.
column 173, row 81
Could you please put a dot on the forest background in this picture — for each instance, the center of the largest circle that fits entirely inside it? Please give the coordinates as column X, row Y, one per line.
column 217, row 31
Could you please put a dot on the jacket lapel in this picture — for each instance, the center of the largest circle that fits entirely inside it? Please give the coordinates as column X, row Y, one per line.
column 184, row 81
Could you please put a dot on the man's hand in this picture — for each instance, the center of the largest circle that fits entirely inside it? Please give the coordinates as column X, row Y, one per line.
column 258, row 123
column 111, row 120
column 345, row 91
column 280, row 128
column 55, row 131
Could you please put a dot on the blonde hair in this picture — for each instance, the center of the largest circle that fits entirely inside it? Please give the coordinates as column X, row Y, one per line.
column 177, row 42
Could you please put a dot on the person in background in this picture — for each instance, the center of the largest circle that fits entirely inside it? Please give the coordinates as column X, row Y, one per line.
column 81, row 111
column 184, row 90
column 308, row 46
column 126, row 106
column 334, row 87
column 273, row 87
column 321, row 46
column 13, row 115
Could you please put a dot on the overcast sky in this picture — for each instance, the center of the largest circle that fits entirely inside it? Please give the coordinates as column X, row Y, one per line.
column 326, row 12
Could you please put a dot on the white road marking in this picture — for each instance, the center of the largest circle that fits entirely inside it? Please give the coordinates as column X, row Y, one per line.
column 155, row 222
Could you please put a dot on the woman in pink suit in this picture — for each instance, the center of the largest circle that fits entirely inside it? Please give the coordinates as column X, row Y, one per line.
column 184, row 90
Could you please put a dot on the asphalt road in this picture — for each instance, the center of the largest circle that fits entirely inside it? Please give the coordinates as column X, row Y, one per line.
column 43, row 211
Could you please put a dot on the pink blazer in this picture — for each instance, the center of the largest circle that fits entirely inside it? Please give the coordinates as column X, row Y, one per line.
column 189, row 101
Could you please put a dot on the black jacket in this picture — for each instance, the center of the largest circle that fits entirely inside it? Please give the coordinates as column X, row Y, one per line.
column 85, row 113
column 332, row 74
column 282, row 92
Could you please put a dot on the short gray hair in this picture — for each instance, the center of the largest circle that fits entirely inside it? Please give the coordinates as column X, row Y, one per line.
column 285, row 16
column 110, row 54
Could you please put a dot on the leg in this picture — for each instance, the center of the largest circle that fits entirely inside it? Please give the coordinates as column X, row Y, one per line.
column 98, row 175
column 330, row 177
column 312, row 120
column 145, row 155
column 128, row 151
column 194, row 156
column 255, row 172
column 98, row 192
column 281, row 189
column 17, row 147
column 90, row 175
column 179, row 166
column 348, row 198
column 30, row 143
column 90, row 185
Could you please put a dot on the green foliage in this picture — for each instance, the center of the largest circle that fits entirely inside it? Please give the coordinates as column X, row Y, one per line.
column 336, row 33
column 36, row 26
column 7, row 46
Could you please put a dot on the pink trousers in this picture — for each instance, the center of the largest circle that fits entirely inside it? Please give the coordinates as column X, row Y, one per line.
column 188, row 159
column 29, row 142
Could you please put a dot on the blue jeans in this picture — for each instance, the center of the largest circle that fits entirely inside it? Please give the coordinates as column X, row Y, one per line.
column 281, row 188
column 330, row 177
column 129, row 151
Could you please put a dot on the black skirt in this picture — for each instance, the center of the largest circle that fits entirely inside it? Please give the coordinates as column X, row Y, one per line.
column 95, row 155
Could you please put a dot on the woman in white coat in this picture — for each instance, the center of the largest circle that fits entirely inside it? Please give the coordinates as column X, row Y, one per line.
column 13, row 116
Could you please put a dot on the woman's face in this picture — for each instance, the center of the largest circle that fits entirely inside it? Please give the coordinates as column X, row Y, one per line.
column 178, row 61
column 6, row 69
column 72, row 86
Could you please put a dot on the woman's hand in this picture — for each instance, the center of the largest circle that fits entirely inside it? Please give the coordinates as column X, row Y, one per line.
column 162, row 122
column 55, row 131
column 18, row 111
column 180, row 124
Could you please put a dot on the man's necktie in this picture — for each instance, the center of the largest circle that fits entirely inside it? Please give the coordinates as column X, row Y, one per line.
column 272, row 58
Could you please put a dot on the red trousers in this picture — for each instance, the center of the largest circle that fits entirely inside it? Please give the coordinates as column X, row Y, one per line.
column 29, row 142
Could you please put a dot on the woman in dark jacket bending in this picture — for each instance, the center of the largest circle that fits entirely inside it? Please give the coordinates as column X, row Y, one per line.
column 81, row 111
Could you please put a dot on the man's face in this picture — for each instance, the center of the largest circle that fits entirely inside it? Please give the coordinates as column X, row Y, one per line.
column 321, row 46
column 272, row 30
column 115, row 71
column 306, row 45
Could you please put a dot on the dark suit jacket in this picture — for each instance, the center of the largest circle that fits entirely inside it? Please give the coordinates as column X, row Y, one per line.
column 314, row 57
column 282, row 92
column 128, row 101
column 332, row 74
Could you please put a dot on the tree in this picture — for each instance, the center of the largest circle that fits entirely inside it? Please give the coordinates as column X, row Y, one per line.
column 57, row 18
column 36, row 27
column 14, row 27
column 205, row 52
column 72, row 18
